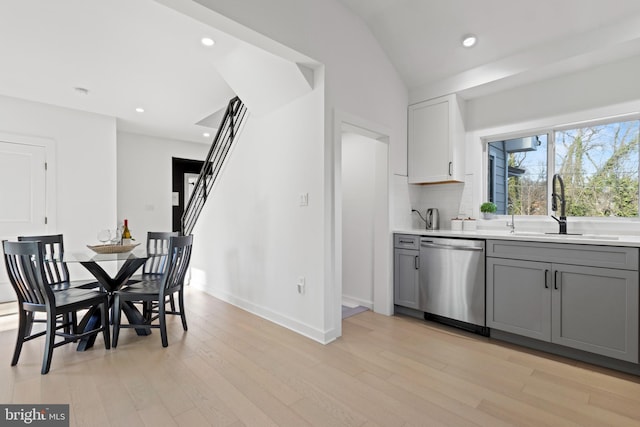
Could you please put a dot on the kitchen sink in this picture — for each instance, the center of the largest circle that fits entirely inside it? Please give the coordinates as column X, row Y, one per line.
column 567, row 236
column 590, row 236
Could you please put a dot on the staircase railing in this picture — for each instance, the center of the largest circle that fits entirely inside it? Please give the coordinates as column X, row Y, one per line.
column 220, row 147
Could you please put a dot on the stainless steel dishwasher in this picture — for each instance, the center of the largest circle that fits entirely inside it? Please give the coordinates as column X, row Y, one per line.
column 452, row 284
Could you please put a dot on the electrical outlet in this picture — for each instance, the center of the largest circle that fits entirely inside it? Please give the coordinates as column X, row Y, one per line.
column 301, row 285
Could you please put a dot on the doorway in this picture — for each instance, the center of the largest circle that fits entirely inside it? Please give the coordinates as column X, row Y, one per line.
column 363, row 254
column 27, row 168
column 184, row 173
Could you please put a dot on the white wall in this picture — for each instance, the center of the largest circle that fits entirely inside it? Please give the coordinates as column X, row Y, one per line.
column 145, row 180
column 357, row 79
column 363, row 160
column 253, row 240
column 86, row 163
column 84, row 169
column 602, row 86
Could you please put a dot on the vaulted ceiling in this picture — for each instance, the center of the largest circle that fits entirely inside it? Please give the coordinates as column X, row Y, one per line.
column 130, row 54
column 519, row 41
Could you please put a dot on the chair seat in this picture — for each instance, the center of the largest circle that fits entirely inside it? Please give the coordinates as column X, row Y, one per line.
column 72, row 297
column 142, row 288
column 75, row 284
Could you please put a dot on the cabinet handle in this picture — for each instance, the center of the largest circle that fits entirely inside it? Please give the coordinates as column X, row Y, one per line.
column 546, row 274
column 416, row 262
column 407, row 241
column 450, row 166
column 555, row 280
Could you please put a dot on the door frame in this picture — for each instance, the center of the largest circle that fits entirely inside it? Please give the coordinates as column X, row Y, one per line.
column 49, row 145
column 180, row 167
column 383, row 260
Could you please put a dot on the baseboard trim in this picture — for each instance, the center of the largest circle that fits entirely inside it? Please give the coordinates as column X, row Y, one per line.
column 322, row 337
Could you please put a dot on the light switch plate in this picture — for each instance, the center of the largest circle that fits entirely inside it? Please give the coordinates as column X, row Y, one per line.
column 304, row 199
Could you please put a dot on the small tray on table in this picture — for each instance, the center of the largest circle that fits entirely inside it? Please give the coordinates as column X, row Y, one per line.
column 112, row 249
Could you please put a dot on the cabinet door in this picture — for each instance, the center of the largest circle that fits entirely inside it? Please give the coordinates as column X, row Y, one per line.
column 519, row 297
column 596, row 310
column 428, row 149
column 406, row 277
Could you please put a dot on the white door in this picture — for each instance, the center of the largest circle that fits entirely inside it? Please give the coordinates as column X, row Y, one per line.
column 22, row 197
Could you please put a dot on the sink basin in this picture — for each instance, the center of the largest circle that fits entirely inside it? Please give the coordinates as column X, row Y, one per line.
column 567, row 236
column 594, row 237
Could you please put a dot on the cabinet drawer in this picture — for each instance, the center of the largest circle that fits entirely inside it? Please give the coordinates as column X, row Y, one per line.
column 565, row 253
column 406, row 241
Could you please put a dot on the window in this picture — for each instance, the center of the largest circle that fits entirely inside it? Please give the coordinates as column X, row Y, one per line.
column 518, row 175
column 598, row 162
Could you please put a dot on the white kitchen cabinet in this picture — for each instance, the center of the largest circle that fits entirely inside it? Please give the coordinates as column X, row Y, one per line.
column 436, row 141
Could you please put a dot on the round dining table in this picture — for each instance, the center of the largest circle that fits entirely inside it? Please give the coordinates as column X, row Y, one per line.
column 129, row 263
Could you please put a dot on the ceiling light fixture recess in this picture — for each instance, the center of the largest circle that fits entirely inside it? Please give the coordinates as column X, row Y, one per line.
column 81, row 90
column 469, row 40
column 140, row 110
column 206, row 41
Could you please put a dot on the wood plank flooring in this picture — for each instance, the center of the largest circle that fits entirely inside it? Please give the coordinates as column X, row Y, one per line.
column 235, row 369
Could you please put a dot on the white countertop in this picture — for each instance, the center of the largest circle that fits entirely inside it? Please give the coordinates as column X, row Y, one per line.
column 583, row 239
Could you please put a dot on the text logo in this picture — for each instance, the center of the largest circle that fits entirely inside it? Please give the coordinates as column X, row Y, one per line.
column 34, row 415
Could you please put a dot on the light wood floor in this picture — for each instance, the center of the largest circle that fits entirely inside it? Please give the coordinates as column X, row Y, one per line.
column 232, row 369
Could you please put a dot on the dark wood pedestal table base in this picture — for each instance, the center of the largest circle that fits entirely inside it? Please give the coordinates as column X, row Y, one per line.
column 132, row 262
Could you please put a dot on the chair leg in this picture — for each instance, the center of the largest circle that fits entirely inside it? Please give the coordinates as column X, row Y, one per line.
column 162, row 316
column 73, row 318
column 50, row 339
column 147, row 311
column 104, row 312
column 116, row 320
column 183, row 315
column 24, row 324
column 172, row 303
column 29, row 325
column 67, row 318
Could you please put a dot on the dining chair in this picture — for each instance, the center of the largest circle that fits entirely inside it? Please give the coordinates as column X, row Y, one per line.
column 157, row 249
column 56, row 271
column 25, row 264
column 158, row 291
column 154, row 267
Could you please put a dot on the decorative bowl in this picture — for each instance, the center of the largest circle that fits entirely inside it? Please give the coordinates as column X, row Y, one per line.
column 112, row 249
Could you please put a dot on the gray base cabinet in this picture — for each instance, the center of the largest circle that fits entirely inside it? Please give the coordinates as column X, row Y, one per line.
column 406, row 270
column 518, row 297
column 594, row 309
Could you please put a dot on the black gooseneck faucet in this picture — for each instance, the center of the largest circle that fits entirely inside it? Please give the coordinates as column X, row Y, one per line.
column 562, row 221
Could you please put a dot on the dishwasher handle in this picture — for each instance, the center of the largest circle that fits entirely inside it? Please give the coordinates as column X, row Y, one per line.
column 452, row 247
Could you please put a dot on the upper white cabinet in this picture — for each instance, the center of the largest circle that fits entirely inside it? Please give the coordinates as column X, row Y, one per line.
column 436, row 141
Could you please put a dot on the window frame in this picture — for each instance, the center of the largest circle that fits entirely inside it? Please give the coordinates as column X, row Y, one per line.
column 550, row 131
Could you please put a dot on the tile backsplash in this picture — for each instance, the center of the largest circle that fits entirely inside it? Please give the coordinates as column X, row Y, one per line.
column 445, row 197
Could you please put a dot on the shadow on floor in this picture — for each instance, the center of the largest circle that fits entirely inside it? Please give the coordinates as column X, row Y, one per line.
column 352, row 311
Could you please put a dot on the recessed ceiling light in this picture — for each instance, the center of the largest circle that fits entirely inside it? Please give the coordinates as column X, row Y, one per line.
column 206, row 134
column 206, row 41
column 469, row 40
column 81, row 90
column 140, row 110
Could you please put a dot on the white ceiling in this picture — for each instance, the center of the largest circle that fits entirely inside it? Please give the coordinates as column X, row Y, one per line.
column 519, row 40
column 128, row 54
column 140, row 53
